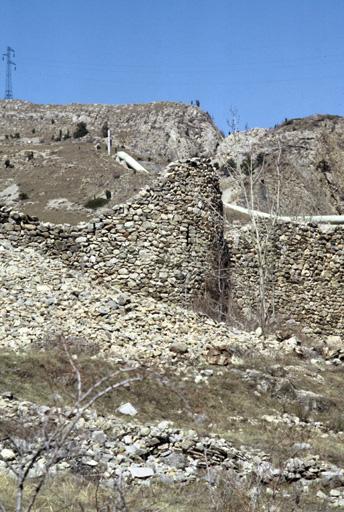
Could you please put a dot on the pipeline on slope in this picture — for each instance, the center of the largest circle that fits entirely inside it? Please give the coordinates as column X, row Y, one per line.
column 301, row 219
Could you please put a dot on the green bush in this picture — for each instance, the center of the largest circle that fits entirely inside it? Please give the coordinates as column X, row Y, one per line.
column 23, row 196
column 259, row 160
column 80, row 131
column 8, row 164
column 247, row 165
column 96, row 202
column 104, row 129
column 229, row 167
column 323, row 166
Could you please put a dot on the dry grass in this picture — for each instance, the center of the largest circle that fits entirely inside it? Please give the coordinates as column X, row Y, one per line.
column 66, row 493
column 38, row 375
column 76, row 172
column 228, row 494
column 227, row 404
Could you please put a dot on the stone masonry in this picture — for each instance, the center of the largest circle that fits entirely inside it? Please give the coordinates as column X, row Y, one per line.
column 165, row 243
column 305, row 275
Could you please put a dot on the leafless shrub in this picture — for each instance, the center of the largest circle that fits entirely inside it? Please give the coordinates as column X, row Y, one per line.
column 54, row 440
column 75, row 345
column 251, row 493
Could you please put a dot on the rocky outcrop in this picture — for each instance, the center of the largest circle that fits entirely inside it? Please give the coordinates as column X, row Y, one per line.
column 158, row 132
column 48, row 173
column 306, row 153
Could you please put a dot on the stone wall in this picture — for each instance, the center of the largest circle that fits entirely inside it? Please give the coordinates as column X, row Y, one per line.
column 165, row 243
column 168, row 243
column 306, row 269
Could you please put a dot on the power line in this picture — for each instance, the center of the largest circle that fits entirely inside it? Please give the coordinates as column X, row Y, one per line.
column 10, row 53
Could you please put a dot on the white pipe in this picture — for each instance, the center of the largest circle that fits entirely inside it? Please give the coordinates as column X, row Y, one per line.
column 122, row 156
column 301, row 219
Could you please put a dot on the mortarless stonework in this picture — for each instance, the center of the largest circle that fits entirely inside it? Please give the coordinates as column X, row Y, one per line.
column 168, row 243
column 165, row 243
column 307, row 275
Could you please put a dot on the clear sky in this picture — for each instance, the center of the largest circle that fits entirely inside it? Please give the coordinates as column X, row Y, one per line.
column 266, row 59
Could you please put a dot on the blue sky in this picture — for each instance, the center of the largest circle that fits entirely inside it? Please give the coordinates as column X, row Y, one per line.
column 266, row 59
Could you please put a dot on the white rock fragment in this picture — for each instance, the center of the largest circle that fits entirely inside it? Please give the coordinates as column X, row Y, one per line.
column 141, row 471
column 128, row 409
column 259, row 332
column 7, row 454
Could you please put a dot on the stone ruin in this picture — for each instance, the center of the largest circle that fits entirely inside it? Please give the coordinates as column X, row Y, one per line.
column 168, row 243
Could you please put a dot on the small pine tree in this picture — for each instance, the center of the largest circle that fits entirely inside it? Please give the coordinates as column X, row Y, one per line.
column 81, row 130
column 246, row 165
column 104, row 129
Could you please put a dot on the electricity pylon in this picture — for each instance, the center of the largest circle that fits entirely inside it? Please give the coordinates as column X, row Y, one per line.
column 9, row 63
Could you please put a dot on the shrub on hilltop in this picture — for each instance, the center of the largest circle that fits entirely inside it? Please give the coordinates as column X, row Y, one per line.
column 81, row 130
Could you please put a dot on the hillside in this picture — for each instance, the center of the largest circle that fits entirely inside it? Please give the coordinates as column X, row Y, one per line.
column 194, row 414
column 152, row 309
column 217, row 413
column 309, row 154
column 159, row 132
column 49, row 173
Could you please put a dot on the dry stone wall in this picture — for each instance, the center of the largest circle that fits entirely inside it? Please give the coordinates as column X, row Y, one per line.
column 165, row 243
column 168, row 243
column 306, row 269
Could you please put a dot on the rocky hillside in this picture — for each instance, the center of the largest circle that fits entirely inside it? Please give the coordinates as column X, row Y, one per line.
column 307, row 152
column 52, row 174
column 48, row 173
column 130, row 403
column 213, row 419
column 157, row 132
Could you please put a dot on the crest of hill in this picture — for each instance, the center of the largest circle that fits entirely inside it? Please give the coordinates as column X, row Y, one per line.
column 159, row 132
column 309, row 152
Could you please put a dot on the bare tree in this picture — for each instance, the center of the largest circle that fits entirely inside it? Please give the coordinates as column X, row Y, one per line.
column 248, row 174
column 54, row 442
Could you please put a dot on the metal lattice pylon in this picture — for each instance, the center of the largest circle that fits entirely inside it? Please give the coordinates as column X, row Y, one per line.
column 7, row 56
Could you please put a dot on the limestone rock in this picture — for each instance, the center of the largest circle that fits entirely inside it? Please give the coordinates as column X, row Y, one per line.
column 7, row 454
column 127, row 409
column 141, row 471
